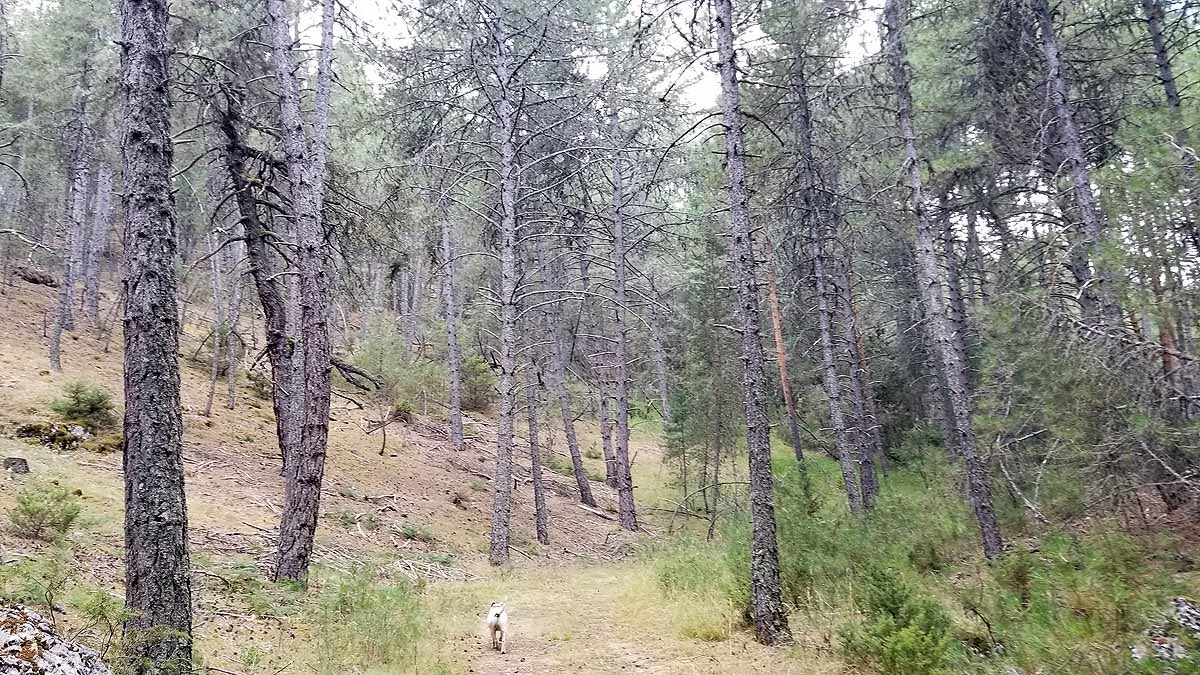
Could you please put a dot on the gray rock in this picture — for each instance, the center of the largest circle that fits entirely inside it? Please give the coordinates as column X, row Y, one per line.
column 29, row 646
column 16, row 465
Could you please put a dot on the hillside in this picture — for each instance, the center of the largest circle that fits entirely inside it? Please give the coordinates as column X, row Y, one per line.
column 417, row 512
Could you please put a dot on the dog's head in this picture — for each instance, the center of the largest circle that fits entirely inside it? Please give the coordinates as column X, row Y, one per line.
column 496, row 609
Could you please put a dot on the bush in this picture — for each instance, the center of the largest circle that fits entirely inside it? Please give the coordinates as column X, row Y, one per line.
column 903, row 633
column 87, row 405
column 44, row 511
column 478, row 384
column 362, row 623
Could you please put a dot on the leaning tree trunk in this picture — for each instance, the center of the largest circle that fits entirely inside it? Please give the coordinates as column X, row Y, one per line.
column 558, row 380
column 305, row 159
column 626, row 508
column 158, row 590
column 1092, row 277
column 454, row 352
column 541, row 512
column 766, row 594
column 932, row 283
column 267, row 282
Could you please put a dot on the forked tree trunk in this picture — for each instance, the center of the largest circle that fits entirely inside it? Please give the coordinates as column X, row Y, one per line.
column 157, row 571
column 305, row 159
column 766, row 594
column 932, row 285
column 541, row 512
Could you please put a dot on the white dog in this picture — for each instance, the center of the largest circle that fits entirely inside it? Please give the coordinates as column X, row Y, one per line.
column 497, row 623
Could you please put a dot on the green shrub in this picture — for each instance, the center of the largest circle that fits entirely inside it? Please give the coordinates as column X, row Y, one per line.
column 478, row 384
column 362, row 624
column 44, row 510
column 87, row 405
column 903, row 633
column 418, row 533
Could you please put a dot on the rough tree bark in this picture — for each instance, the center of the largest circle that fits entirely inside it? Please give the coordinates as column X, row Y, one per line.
column 157, row 570
column 766, row 595
column 606, row 439
column 305, row 159
column 932, row 286
column 541, row 513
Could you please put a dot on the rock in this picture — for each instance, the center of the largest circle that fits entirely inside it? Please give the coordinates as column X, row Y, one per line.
column 35, row 276
column 1162, row 640
column 1187, row 615
column 29, row 646
column 16, row 465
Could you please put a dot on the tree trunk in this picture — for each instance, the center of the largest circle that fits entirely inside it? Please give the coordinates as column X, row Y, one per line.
column 1153, row 10
column 606, row 439
column 781, row 361
column 78, row 137
column 1093, row 278
column 558, row 380
column 454, row 353
column 305, row 160
column 280, row 345
column 861, row 404
column 766, row 595
column 626, row 508
column 510, row 175
column 541, row 513
column 830, row 378
column 97, row 242
column 931, row 281
column 157, row 570
column 234, row 316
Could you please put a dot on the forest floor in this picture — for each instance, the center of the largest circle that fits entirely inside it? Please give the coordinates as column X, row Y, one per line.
column 413, row 508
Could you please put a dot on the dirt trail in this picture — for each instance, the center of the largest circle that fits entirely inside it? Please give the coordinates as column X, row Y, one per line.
column 608, row 619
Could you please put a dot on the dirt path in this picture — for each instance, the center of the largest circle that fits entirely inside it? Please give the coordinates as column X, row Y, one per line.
column 608, row 619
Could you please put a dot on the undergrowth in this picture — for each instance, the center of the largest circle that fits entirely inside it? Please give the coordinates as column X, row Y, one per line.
column 908, row 592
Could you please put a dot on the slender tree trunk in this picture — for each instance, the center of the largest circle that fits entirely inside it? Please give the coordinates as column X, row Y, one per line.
column 78, row 138
column 781, row 361
column 234, row 316
column 305, row 160
column 1092, row 277
column 157, row 570
column 558, row 381
column 97, row 242
column 541, row 512
column 216, row 282
column 766, row 594
column 931, row 280
column 626, row 508
column 861, row 403
column 1155, row 16
column 454, row 353
column 510, row 175
column 830, row 378
column 606, row 439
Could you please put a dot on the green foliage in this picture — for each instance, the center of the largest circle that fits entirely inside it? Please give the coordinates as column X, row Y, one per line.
column 478, row 384
column 418, row 532
column 44, row 510
column 34, row 581
column 361, row 623
column 903, row 632
column 409, row 382
column 87, row 405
